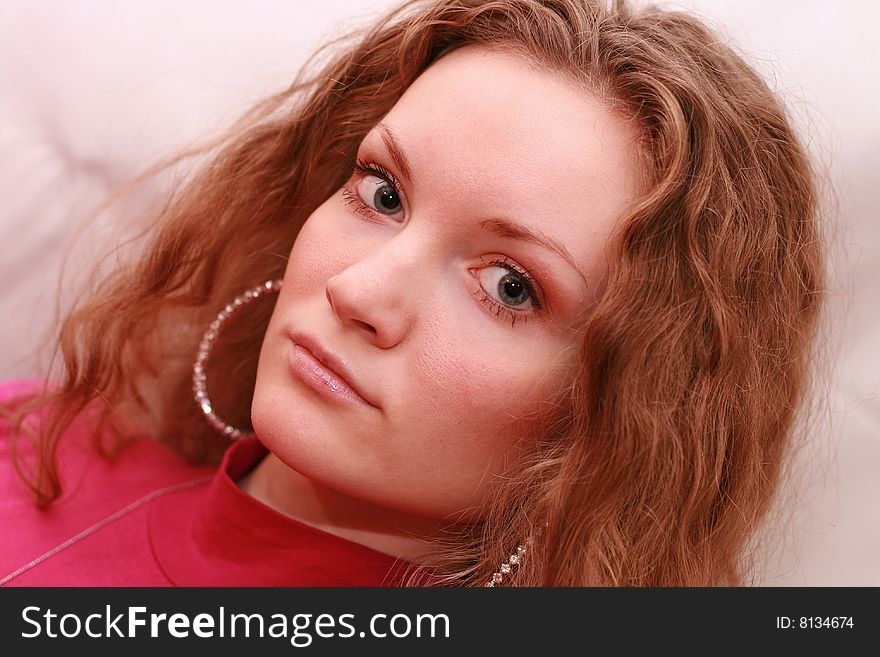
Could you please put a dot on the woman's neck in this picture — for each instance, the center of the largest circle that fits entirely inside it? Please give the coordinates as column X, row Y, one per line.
column 385, row 530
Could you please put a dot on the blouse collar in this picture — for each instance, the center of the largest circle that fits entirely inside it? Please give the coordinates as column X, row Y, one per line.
column 218, row 535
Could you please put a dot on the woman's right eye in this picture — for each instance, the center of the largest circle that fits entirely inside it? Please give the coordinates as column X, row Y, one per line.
column 379, row 194
column 373, row 191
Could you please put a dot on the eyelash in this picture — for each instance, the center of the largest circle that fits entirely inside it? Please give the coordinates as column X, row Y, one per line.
column 353, row 200
column 499, row 309
column 369, row 169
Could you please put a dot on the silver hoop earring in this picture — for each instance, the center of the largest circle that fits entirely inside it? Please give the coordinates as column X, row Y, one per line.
column 200, row 388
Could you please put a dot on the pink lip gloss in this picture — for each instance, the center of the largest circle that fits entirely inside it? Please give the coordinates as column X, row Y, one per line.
column 322, row 380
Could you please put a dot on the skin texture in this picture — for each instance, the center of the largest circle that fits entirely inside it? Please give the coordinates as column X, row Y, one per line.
column 402, row 295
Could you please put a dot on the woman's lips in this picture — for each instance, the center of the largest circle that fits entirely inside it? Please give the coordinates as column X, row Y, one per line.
column 321, row 378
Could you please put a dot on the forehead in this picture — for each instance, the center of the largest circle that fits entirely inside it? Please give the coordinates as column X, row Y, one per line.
column 494, row 134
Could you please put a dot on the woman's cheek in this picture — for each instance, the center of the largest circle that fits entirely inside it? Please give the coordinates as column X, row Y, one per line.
column 473, row 384
column 316, row 253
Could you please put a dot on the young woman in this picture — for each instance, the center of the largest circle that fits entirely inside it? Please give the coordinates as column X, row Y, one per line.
column 516, row 292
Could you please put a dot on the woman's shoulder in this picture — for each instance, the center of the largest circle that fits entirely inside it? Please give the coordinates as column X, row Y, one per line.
column 14, row 393
column 140, row 458
column 92, row 484
column 20, row 438
column 13, row 388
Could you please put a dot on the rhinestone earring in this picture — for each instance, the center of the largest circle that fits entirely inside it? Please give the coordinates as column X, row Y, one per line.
column 508, row 565
column 200, row 388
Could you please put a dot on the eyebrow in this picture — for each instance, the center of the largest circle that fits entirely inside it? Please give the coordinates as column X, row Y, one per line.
column 497, row 225
column 509, row 229
column 395, row 149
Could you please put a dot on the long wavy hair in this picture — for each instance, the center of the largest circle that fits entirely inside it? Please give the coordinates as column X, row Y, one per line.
column 691, row 367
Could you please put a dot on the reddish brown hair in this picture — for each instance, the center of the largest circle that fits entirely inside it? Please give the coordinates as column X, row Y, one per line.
column 691, row 366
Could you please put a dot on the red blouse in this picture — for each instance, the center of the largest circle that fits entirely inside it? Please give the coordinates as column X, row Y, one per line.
column 148, row 518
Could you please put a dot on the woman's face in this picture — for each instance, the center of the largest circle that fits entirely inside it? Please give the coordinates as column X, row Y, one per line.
column 447, row 275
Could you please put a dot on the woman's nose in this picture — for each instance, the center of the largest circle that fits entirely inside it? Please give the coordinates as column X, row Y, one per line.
column 377, row 294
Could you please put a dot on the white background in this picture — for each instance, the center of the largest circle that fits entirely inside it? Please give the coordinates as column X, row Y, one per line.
column 94, row 91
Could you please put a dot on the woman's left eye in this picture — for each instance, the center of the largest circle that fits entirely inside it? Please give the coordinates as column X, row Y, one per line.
column 507, row 286
column 508, row 291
